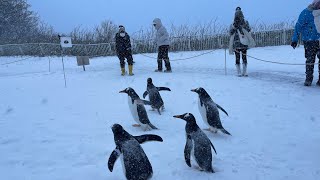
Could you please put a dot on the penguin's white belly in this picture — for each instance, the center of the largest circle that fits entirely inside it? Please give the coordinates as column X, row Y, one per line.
column 134, row 110
column 203, row 112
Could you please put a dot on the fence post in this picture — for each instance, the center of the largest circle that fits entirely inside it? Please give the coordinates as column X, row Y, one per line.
column 189, row 43
column 21, row 51
column 1, row 50
column 284, row 37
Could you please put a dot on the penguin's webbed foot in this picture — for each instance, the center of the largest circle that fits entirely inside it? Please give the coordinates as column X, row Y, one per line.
column 136, row 125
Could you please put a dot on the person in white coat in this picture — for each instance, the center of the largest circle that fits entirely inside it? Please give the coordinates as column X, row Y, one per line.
column 162, row 40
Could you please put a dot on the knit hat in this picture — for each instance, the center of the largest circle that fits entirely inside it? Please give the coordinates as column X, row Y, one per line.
column 316, row 4
column 122, row 28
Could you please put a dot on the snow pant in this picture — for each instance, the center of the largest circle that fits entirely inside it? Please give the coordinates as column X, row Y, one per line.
column 311, row 49
column 163, row 54
column 125, row 55
column 244, row 55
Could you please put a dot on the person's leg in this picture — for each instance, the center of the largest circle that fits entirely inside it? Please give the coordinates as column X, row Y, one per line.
column 244, row 62
column 159, row 60
column 166, row 58
column 311, row 48
column 130, row 63
column 237, row 54
column 122, row 63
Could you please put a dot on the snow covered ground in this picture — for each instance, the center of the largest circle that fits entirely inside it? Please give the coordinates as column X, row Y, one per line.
column 49, row 132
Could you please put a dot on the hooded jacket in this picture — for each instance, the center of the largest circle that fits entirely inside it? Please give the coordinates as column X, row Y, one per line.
column 307, row 25
column 162, row 36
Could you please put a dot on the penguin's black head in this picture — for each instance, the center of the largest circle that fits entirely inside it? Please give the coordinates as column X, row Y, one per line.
column 186, row 116
column 117, row 128
column 199, row 90
column 119, row 133
column 128, row 91
column 149, row 81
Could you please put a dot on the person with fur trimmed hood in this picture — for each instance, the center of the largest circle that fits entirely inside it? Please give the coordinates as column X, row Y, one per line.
column 162, row 40
column 308, row 25
column 240, row 40
column 123, row 50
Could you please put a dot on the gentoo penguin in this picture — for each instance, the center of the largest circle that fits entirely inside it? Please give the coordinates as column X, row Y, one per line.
column 138, row 111
column 209, row 111
column 198, row 144
column 154, row 95
column 135, row 163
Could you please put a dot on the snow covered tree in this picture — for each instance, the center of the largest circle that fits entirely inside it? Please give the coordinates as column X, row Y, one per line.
column 18, row 24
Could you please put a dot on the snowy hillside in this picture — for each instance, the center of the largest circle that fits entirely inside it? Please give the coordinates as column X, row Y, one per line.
column 51, row 132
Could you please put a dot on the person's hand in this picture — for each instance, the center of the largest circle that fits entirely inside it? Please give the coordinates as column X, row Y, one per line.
column 294, row 44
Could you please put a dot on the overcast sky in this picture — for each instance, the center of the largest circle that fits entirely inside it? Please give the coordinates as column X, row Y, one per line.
column 64, row 15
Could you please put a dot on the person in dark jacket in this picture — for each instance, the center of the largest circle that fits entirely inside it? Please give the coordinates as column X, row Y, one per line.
column 236, row 30
column 123, row 50
column 308, row 25
column 162, row 40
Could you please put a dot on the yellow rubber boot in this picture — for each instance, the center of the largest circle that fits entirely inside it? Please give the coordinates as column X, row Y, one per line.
column 123, row 71
column 130, row 70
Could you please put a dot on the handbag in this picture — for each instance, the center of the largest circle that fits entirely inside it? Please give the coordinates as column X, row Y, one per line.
column 243, row 38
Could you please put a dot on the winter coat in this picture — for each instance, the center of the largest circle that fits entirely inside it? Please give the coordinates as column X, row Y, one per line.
column 307, row 25
column 122, row 43
column 162, row 36
column 236, row 40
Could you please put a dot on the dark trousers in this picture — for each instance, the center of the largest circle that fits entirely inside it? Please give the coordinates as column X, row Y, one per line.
column 163, row 54
column 244, row 55
column 311, row 49
column 125, row 55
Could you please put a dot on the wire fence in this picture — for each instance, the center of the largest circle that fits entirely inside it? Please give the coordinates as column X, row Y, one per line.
column 191, row 43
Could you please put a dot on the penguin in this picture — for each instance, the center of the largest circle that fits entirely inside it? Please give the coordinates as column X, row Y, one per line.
column 154, row 95
column 138, row 111
column 135, row 163
column 198, row 144
column 209, row 111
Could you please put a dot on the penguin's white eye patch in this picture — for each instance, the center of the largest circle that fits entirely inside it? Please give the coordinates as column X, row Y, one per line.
column 187, row 115
column 127, row 89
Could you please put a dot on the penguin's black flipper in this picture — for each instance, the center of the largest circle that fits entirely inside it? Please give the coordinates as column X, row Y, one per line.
column 163, row 89
column 187, row 150
column 145, row 94
column 113, row 158
column 213, row 147
column 222, row 109
column 148, row 137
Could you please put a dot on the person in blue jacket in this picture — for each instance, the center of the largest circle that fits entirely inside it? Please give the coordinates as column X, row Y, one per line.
column 308, row 25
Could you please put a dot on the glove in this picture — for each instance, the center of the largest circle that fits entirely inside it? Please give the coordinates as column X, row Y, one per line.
column 294, row 44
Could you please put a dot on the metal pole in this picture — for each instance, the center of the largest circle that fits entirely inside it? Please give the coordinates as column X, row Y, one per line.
column 225, row 61
column 64, row 73
column 49, row 64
